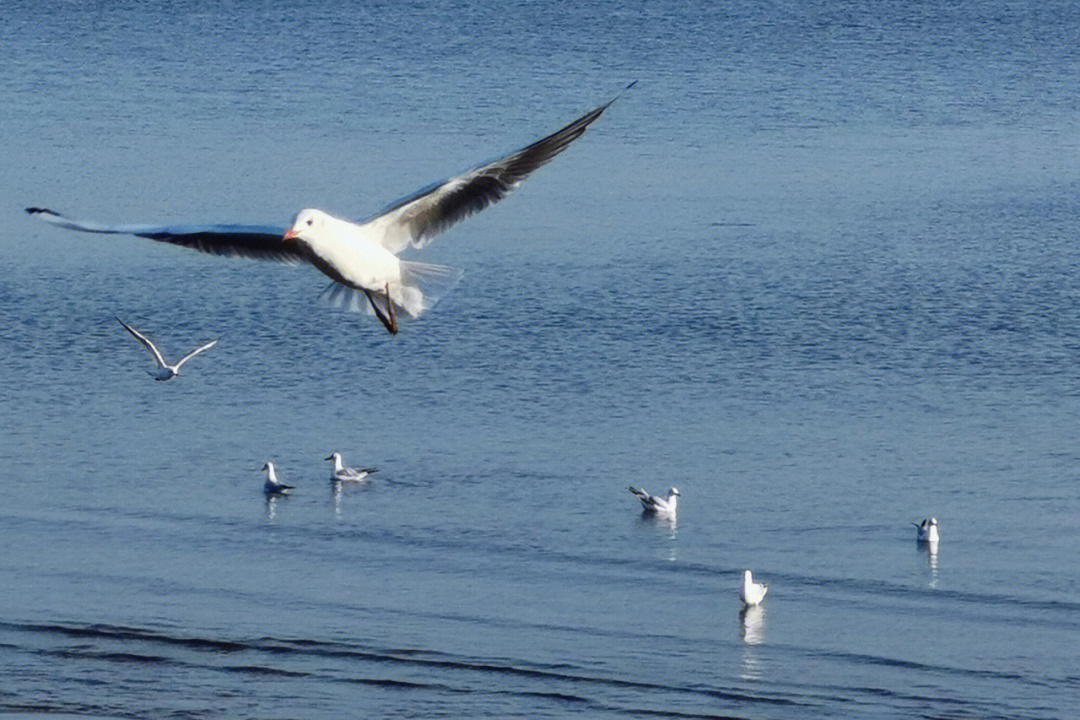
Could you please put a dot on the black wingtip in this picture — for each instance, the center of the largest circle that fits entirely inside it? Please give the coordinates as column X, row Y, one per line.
column 38, row 211
column 608, row 104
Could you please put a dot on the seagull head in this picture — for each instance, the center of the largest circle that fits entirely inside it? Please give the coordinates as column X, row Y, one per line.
column 933, row 522
column 334, row 456
column 305, row 223
column 675, row 492
column 268, row 467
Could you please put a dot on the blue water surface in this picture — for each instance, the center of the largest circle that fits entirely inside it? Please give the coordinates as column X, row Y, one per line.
column 818, row 270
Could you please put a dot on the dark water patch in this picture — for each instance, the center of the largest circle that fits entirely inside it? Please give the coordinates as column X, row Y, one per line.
column 412, row 657
column 113, row 657
column 115, row 632
column 264, row 670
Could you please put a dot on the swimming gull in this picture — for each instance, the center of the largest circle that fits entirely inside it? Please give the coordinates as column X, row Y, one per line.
column 165, row 371
column 361, row 258
column 658, row 505
column 926, row 531
column 752, row 593
column 274, row 486
column 340, row 473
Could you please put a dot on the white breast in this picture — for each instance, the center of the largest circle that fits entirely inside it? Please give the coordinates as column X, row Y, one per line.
column 357, row 256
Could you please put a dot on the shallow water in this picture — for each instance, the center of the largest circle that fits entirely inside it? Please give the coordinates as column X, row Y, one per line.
column 818, row 270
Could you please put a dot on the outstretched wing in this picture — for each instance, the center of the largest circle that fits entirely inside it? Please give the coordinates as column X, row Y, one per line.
column 195, row 352
column 416, row 219
column 146, row 343
column 263, row 242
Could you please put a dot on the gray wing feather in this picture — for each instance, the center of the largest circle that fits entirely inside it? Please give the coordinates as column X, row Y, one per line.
column 262, row 242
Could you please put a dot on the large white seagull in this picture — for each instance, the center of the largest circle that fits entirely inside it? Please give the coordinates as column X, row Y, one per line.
column 363, row 257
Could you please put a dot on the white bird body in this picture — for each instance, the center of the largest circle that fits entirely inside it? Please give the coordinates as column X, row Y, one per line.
column 752, row 593
column 164, row 370
column 340, row 473
column 362, row 257
column 658, row 505
column 274, row 486
column 353, row 250
column 927, row 530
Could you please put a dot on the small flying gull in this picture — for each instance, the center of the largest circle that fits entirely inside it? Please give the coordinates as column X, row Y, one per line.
column 340, row 473
column 926, row 531
column 752, row 593
column 164, row 371
column 274, row 486
column 361, row 258
column 658, row 505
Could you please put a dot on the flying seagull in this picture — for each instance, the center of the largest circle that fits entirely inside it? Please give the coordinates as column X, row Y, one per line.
column 926, row 531
column 340, row 473
column 361, row 258
column 752, row 593
column 164, row 371
column 658, row 505
column 274, row 486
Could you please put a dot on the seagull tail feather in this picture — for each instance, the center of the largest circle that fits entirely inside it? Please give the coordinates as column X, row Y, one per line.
column 422, row 284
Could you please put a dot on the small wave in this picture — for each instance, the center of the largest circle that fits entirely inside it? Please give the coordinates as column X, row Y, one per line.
column 406, row 657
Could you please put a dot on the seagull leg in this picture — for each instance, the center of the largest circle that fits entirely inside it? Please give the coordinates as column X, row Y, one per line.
column 390, row 310
column 390, row 323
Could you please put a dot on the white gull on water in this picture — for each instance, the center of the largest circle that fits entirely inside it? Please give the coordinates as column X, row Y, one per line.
column 750, row 592
column 274, row 486
column 658, row 505
column 340, row 473
column 165, row 371
column 361, row 258
column 926, row 531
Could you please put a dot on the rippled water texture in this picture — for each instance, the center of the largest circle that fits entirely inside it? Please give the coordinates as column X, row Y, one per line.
column 818, row 270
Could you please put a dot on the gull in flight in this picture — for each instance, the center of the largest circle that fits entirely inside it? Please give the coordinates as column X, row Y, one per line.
column 658, row 505
column 926, row 531
column 274, row 486
column 362, row 258
column 164, row 371
column 752, row 593
column 340, row 473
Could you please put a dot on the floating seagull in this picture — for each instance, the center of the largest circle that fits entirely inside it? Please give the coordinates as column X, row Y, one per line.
column 274, row 486
column 926, row 531
column 361, row 258
column 752, row 593
column 340, row 473
column 658, row 505
column 165, row 371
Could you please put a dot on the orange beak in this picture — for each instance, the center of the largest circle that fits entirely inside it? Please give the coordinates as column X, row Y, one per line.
column 290, row 235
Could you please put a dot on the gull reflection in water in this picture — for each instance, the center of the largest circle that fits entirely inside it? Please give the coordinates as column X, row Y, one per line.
column 668, row 526
column 753, row 624
column 338, row 489
column 931, row 550
column 335, row 492
column 753, row 634
column 271, row 505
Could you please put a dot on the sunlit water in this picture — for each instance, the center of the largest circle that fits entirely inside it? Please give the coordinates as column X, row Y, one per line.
column 818, row 270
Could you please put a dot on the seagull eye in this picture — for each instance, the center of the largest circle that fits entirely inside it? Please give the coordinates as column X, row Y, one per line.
column 310, row 222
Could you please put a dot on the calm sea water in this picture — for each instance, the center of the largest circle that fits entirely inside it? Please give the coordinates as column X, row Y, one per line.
column 818, row 270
